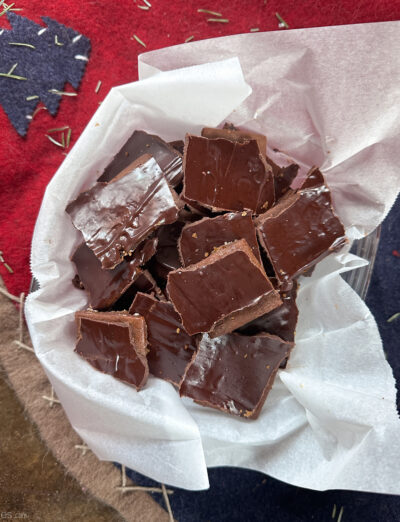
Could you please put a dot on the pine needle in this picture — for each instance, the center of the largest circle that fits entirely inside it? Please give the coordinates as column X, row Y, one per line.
column 63, row 93
column 139, row 40
column 68, row 137
column 393, row 317
column 55, row 141
column 254, row 29
column 281, row 21
column 147, row 3
column 97, row 87
column 144, row 7
column 189, row 39
column 8, row 8
column 220, row 20
column 58, row 129
column 209, row 12
column 33, row 97
column 22, row 44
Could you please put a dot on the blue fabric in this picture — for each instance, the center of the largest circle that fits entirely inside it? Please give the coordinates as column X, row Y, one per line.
column 47, row 66
column 238, row 495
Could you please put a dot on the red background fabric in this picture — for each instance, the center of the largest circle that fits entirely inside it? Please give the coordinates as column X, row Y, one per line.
column 27, row 164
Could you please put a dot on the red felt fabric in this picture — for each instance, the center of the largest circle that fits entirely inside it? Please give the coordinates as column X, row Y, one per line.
column 27, row 164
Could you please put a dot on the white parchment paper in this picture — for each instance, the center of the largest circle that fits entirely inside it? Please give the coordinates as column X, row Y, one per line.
column 325, row 96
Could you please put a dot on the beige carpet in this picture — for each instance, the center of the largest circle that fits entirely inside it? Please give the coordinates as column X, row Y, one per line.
column 22, row 371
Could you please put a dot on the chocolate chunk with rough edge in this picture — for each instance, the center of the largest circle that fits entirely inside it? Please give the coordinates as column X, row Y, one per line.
column 116, row 217
column 301, row 229
column 223, row 292
column 234, row 373
column 203, row 237
column 170, row 347
column 281, row 322
column 224, row 175
column 177, row 145
column 144, row 283
column 114, row 344
column 239, row 135
column 105, row 287
column 168, row 158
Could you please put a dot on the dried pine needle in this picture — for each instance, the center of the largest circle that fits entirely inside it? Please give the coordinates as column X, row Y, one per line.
column 339, row 519
column 144, row 7
column 63, row 93
column 139, row 40
column 214, row 13
column 220, row 20
column 147, row 3
column 33, row 97
column 254, row 29
column 55, row 141
column 21, row 44
column 8, row 8
column 58, row 129
column 393, row 317
column 281, row 21
column 68, row 137
column 56, row 41
column 97, row 87
column 189, row 39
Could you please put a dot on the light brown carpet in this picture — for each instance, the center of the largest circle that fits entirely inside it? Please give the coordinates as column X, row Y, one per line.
column 33, row 485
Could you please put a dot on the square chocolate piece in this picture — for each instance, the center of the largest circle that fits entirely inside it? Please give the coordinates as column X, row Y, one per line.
column 201, row 238
column 170, row 347
column 223, row 292
column 226, row 175
column 234, row 373
column 301, row 229
column 168, row 158
column 114, row 344
column 116, row 217
column 105, row 287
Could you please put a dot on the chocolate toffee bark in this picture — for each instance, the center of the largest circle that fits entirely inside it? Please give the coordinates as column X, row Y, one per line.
column 144, row 283
column 301, row 229
column 223, row 292
column 114, row 344
column 239, row 135
column 170, row 347
column 225, row 175
column 281, row 322
column 202, row 237
column 234, row 373
column 167, row 255
column 283, row 179
column 105, row 287
column 116, row 217
column 168, row 158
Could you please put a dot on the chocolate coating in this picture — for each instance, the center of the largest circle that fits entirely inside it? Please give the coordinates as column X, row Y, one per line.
column 234, row 373
column 114, row 344
column 301, row 229
column 167, row 255
column 204, row 236
column 106, row 286
column 170, row 347
column 221, row 293
column 225, row 175
column 234, row 134
column 116, row 217
column 145, row 283
column 281, row 322
column 168, row 158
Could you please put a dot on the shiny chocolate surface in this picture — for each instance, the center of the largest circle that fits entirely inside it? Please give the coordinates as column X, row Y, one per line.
column 116, row 217
column 114, row 344
column 301, row 229
column 204, row 236
column 281, row 322
column 239, row 135
column 170, row 347
column 221, row 293
column 106, row 286
column 224, row 175
column 167, row 156
column 234, row 373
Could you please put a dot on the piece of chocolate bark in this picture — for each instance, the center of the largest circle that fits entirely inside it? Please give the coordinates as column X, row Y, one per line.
column 170, row 347
column 201, row 238
column 234, row 373
column 116, row 217
column 167, row 255
column 281, row 322
column 105, row 287
column 301, row 229
column 168, row 158
column 225, row 175
column 178, row 145
column 144, row 283
column 114, row 344
column 238, row 135
column 223, row 292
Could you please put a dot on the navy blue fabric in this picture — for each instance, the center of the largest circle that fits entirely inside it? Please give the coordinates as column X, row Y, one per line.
column 48, row 66
column 238, row 495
